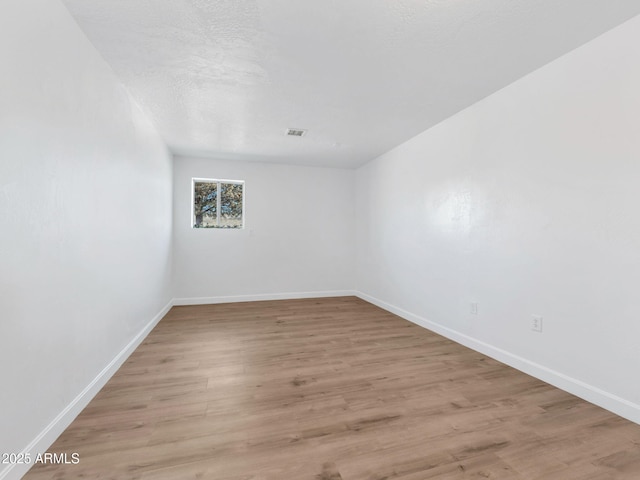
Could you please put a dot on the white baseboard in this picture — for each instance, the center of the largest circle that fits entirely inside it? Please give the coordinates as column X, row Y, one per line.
column 262, row 297
column 43, row 441
column 595, row 395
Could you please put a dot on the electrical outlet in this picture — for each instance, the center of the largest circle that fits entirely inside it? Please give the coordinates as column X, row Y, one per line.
column 536, row 323
column 474, row 308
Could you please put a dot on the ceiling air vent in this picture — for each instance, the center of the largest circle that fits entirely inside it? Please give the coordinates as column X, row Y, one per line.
column 296, row 132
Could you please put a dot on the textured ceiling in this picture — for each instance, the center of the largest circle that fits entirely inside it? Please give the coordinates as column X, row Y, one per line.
column 226, row 78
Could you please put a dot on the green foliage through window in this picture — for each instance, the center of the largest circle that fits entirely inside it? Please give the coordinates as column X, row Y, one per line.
column 218, row 204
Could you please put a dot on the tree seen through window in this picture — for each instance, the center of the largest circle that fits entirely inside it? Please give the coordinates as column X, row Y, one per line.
column 218, row 204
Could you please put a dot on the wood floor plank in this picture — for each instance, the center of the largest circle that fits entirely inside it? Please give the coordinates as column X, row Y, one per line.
column 331, row 389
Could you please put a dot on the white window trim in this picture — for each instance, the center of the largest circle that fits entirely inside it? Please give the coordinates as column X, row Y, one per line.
column 195, row 180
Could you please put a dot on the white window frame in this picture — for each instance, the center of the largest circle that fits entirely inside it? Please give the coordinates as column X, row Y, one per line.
column 218, row 201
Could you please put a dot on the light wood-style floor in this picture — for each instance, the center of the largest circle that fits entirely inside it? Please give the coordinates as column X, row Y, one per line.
column 330, row 389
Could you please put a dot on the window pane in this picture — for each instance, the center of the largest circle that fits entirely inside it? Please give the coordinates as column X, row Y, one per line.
column 204, row 205
column 231, row 205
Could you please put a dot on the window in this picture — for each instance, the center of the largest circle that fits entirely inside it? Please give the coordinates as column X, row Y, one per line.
column 217, row 203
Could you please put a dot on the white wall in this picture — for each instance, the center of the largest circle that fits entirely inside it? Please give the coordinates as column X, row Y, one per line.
column 298, row 238
column 527, row 203
column 85, row 211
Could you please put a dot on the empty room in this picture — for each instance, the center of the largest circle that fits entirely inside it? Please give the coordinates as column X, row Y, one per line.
column 343, row 240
